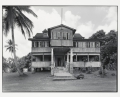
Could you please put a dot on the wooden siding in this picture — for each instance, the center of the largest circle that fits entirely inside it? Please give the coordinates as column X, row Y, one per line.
column 40, row 64
column 78, row 64
column 61, row 43
column 57, row 33
column 86, row 64
column 42, row 49
column 86, row 49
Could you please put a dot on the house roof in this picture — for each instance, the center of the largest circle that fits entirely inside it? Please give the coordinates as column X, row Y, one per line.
column 39, row 36
column 61, row 25
column 77, row 36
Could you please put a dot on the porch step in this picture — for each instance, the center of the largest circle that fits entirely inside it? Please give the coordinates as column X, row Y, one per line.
column 58, row 78
column 63, row 76
column 60, row 69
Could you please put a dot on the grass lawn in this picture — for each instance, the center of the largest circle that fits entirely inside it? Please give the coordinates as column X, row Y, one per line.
column 43, row 81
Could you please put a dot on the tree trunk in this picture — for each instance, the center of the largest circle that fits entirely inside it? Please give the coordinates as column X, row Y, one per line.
column 14, row 53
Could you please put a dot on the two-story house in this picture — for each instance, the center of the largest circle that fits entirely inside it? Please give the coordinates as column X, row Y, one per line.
column 60, row 46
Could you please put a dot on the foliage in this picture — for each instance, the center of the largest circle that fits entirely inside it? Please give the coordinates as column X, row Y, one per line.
column 25, row 61
column 89, row 70
column 4, row 64
column 80, row 76
column 9, row 63
column 9, row 46
column 108, row 47
column 14, row 16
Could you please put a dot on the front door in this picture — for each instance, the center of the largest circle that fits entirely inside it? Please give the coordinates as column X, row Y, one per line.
column 59, row 61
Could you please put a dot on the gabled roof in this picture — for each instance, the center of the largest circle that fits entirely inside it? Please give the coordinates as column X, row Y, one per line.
column 61, row 25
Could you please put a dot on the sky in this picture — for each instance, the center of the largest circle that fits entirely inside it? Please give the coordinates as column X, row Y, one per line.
column 85, row 19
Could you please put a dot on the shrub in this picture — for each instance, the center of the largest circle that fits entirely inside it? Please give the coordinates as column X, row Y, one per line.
column 113, row 74
column 104, row 73
column 80, row 76
column 89, row 72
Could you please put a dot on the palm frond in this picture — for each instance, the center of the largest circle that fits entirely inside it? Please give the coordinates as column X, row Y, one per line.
column 27, row 9
column 25, row 24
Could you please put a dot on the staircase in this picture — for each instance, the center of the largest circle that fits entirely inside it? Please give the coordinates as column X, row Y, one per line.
column 61, row 73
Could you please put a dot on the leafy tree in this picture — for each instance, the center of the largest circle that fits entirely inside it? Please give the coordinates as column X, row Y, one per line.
column 108, row 47
column 4, row 64
column 98, row 35
column 109, row 50
column 9, row 46
column 25, row 61
column 13, row 15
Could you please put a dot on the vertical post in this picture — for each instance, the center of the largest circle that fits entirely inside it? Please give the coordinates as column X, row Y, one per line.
column 99, row 57
column 52, row 64
column 68, row 57
column 39, row 44
column 76, row 57
column 43, row 57
column 71, row 60
column 88, row 57
column 67, row 65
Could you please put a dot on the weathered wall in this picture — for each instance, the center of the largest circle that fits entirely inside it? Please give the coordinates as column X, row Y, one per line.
column 43, row 49
column 40, row 64
column 86, row 64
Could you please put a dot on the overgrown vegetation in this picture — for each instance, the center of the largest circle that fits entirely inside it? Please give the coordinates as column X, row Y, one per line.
column 23, row 62
column 108, row 48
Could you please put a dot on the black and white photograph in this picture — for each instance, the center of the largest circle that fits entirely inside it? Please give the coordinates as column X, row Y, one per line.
column 59, row 48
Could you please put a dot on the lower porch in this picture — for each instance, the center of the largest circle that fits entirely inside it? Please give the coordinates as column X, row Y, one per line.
column 66, row 58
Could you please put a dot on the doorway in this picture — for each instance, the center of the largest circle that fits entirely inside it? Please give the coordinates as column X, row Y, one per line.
column 59, row 61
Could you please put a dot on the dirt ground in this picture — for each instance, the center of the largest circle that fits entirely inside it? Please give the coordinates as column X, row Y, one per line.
column 43, row 81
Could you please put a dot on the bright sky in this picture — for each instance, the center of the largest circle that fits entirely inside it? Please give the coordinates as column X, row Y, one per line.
column 85, row 19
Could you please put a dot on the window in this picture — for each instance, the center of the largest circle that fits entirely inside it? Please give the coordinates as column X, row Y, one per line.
column 32, row 43
column 42, row 44
column 64, row 35
column 67, row 35
column 88, row 44
column 75, row 44
column 97, row 44
column 84, row 44
column 58, row 35
column 36, row 44
column 46, row 44
column 80, row 44
column 54, row 35
column 92, row 44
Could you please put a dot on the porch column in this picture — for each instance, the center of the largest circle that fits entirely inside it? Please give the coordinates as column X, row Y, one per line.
column 39, row 44
column 71, row 60
column 99, row 57
column 52, row 64
column 88, row 57
column 67, row 65
column 43, row 57
column 76, row 57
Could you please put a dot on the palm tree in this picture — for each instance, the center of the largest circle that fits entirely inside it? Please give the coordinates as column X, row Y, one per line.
column 13, row 15
column 9, row 46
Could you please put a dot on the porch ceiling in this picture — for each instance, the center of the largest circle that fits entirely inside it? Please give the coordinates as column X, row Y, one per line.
column 61, row 50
